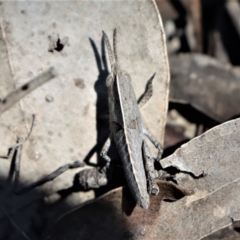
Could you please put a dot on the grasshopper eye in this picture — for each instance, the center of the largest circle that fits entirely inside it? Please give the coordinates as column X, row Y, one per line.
column 109, row 80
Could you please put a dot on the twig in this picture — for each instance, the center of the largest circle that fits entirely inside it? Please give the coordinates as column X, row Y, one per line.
column 16, row 95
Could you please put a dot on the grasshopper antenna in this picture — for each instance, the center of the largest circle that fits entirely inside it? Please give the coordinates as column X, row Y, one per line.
column 115, row 45
column 109, row 49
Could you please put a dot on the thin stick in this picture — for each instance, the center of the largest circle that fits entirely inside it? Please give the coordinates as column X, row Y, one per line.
column 22, row 142
column 17, row 165
column 16, row 95
column 15, row 154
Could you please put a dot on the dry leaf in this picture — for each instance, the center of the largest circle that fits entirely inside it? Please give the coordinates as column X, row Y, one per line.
column 71, row 111
column 114, row 216
column 233, row 7
column 215, row 156
column 208, row 166
column 208, row 85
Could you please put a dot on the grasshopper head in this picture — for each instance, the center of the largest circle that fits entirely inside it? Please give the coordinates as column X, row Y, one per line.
column 111, row 77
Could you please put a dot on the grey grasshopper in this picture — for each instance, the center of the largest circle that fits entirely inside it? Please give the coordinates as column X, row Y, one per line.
column 127, row 129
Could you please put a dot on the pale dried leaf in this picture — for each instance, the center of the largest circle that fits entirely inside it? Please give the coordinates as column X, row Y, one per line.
column 233, row 7
column 214, row 155
column 71, row 110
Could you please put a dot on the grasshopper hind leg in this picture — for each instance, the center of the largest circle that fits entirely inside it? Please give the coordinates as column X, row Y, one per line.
column 143, row 99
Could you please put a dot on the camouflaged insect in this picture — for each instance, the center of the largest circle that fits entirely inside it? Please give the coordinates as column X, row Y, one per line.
column 127, row 130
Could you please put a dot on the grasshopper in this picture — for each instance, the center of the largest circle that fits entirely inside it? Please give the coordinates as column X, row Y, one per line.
column 127, row 130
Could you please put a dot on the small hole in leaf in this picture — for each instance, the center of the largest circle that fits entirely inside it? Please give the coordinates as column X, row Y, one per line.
column 58, row 45
column 25, row 87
